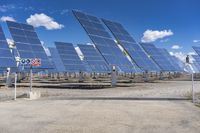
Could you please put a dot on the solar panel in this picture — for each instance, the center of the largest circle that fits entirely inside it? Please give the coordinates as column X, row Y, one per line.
column 6, row 57
column 27, row 43
column 69, row 57
column 158, row 57
column 104, row 43
column 179, row 62
column 94, row 58
column 170, row 59
column 136, row 53
column 196, row 49
column 55, row 57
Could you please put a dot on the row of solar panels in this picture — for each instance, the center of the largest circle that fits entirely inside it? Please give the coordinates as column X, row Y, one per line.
column 98, row 58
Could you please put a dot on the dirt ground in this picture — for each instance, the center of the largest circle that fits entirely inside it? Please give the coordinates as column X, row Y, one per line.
column 53, row 113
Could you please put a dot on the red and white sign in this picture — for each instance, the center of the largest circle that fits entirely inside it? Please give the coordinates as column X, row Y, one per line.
column 36, row 62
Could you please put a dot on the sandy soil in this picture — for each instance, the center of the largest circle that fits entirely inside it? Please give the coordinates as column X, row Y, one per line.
column 161, row 89
column 54, row 114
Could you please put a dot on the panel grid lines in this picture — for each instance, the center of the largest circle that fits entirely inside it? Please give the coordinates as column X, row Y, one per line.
column 104, row 43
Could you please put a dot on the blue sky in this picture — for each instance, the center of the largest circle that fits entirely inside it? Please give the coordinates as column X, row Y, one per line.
column 179, row 17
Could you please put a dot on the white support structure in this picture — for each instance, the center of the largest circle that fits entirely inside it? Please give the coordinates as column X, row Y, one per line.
column 113, row 77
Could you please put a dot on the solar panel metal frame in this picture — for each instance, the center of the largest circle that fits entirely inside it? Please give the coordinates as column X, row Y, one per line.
column 136, row 53
column 28, row 44
column 104, row 43
column 94, row 58
column 69, row 57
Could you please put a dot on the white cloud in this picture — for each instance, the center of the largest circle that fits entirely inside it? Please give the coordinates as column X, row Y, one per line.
column 7, row 18
column 65, row 11
column 42, row 19
column 196, row 41
column 191, row 53
column 30, row 8
column 181, row 56
column 164, row 40
column 5, row 8
column 151, row 36
column 176, row 47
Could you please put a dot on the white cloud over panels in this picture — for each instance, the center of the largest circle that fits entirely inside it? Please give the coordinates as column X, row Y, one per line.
column 38, row 20
column 196, row 41
column 65, row 11
column 5, row 8
column 7, row 18
column 176, row 47
column 181, row 56
column 153, row 35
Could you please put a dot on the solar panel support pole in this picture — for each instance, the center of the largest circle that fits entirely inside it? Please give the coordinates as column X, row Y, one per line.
column 113, row 77
column 146, row 76
column 193, row 97
column 161, row 75
column 15, row 90
column 31, row 78
column 80, row 76
column 8, row 78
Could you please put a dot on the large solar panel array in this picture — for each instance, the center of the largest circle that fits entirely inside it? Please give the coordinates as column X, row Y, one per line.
column 104, row 42
column 93, row 58
column 6, row 57
column 27, row 43
column 170, row 59
column 129, row 44
column 158, row 57
column 55, row 57
column 69, row 57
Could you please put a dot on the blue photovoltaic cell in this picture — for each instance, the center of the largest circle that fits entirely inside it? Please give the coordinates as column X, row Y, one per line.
column 94, row 58
column 104, row 43
column 69, row 57
column 55, row 57
column 136, row 53
column 196, row 58
column 28, row 44
column 196, row 61
column 158, row 57
column 196, row 49
column 179, row 62
column 170, row 59
column 6, row 57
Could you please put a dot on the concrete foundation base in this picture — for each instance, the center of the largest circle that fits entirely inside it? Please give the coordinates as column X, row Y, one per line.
column 34, row 95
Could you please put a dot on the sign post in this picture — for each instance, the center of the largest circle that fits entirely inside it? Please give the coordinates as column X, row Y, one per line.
column 193, row 98
column 36, row 62
column 31, row 78
column 193, row 93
